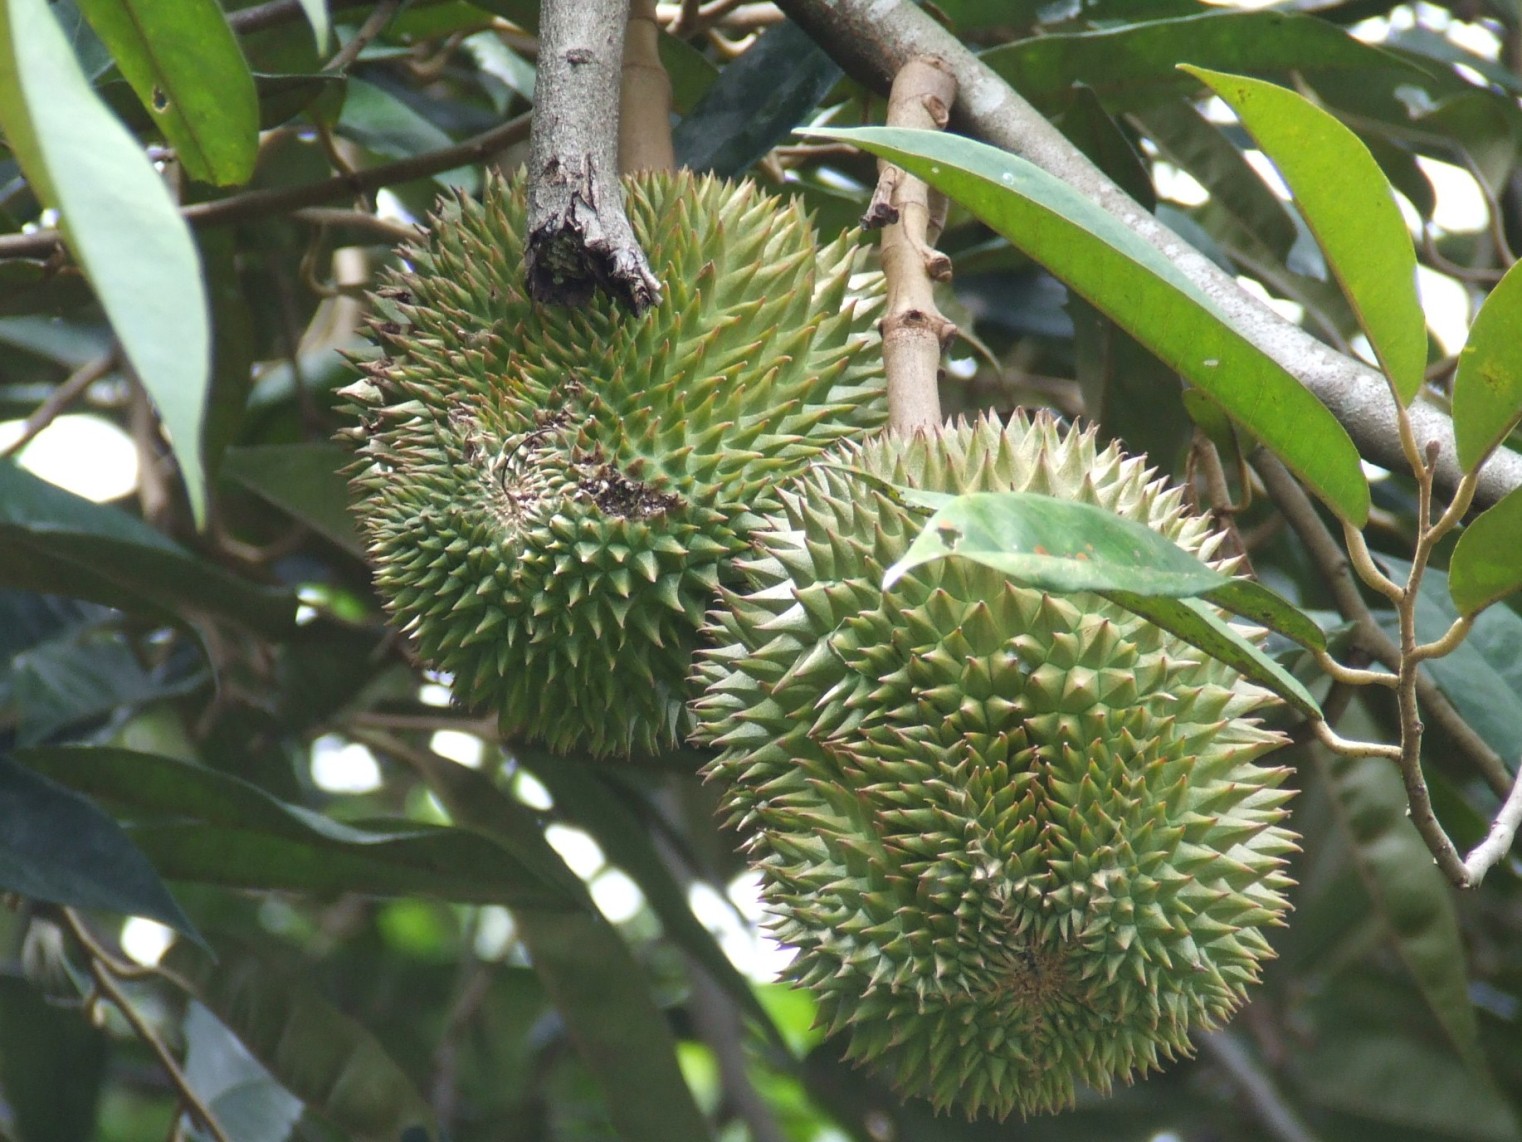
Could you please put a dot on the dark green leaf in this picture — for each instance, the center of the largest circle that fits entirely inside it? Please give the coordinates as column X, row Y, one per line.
column 1487, row 386
column 1143, row 291
column 118, row 220
column 209, row 826
column 59, row 542
column 1409, row 894
column 316, row 1051
column 589, row 973
column 381, row 122
column 755, row 102
column 57, row 846
column 182, row 60
column 47, row 1048
column 589, row 802
column 234, row 1085
column 302, row 480
column 1348, row 204
column 1484, row 566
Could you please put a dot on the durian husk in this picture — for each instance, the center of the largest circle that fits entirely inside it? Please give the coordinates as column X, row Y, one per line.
column 1021, row 842
column 551, row 496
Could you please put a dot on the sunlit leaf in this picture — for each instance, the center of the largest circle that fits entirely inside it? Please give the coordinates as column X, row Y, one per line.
column 1485, row 566
column 187, row 69
column 118, row 220
column 1139, row 287
column 1487, row 386
column 1347, row 202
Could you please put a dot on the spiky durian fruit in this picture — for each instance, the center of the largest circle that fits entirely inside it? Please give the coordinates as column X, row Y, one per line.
column 551, row 496
column 1019, row 840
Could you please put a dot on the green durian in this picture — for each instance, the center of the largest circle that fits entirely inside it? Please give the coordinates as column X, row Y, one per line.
column 551, row 497
column 1021, row 842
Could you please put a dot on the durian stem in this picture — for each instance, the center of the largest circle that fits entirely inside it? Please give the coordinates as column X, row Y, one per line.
column 644, row 125
column 915, row 332
column 872, row 39
column 579, row 238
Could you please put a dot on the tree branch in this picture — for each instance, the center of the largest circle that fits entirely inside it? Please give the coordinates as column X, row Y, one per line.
column 283, row 199
column 872, row 39
column 914, row 330
column 579, row 237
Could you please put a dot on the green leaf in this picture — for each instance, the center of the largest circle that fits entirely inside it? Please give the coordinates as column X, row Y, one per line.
column 57, row 846
column 208, row 826
column 45, row 1048
column 1346, row 200
column 588, row 971
column 316, row 12
column 318, row 1053
column 590, row 801
column 1143, row 291
column 1063, row 545
column 1487, row 386
column 382, row 123
column 118, row 220
column 58, row 542
column 1410, row 895
column 303, row 481
column 1484, row 566
column 185, row 65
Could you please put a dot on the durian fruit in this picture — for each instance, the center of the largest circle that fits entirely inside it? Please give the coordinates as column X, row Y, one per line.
column 1020, row 841
column 550, row 496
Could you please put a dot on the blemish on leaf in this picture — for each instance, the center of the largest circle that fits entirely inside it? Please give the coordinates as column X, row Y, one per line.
column 160, row 100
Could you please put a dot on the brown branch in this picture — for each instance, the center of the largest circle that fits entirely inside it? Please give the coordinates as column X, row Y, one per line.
column 1368, row 635
column 873, row 39
column 579, row 237
column 70, row 390
column 915, row 331
column 644, row 101
column 281, row 200
column 374, row 24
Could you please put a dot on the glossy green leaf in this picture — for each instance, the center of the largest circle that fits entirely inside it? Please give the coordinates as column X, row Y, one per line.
column 235, row 1086
column 318, row 1053
column 755, row 102
column 382, row 123
column 1487, row 386
column 1064, row 545
column 304, row 481
column 185, row 65
column 118, row 220
column 58, row 542
column 1410, row 895
column 1346, row 200
column 1143, row 291
column 1485, row 565
column 204, row 825
column 57, row 846
column 316, row 12
column 588, row 971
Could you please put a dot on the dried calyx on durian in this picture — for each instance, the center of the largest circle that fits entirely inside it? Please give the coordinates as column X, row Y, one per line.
column 551, row 496
column 1020, row 841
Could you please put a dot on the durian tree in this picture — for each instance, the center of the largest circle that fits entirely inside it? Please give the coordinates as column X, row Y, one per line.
column 802, row 571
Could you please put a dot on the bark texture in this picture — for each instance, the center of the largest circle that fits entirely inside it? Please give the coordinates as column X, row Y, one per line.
column 873, row 39
column 579, row 238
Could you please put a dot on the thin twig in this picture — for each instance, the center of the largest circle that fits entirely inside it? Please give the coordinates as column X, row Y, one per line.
column 58, row 401
column 280, row 200
column 1497, row 842
column 106, row 980
column 374, row 23
column 1296, row 507
column 1347, row 747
